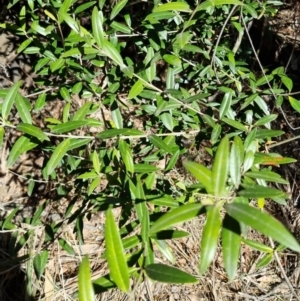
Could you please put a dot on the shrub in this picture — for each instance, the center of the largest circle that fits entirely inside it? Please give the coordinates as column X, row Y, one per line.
column 148, row 77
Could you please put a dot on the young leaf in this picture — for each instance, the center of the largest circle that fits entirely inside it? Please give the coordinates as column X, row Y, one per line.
column 264, row 223
column 231, row 244
column 165, row 250
column 257, row 245
column 210, row 237
column 265, row 260
column 295, row 103
column 33, row 131
column 176, row 216
column 9, row 99
column 164, row 273
column 201, row 173
column 85, row 286
column 56, row 157
column 115, row 253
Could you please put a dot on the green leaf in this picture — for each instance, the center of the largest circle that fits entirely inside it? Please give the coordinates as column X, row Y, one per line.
column 111, row 133
column 201, row 173
column 32, row 131
column 231, row 244
column 210, row 237
column 56, row 157
column 136, row 89
column 159, row 143
column 225, row 104
column 165, row 250
column 264, row 133
column 263, row 223
column 116, row 115
column 265, row 260
column 172, row 59
column 145, row 168
column 164, row 273
column 295, row 103
column 39, row 263
column 170, row 234
column 176, row 216
column 173, row 160
column 257, row 245
column 265, row 119
column 266, row 175
column 126, row 155
column 115, row 253
column 166, row 201
column 22, row 145
column 257, row 191
column 85, row 286
column 96, row 162
column 117, row 8
column 112, row 53
column 176, row 6
column 23, row 107
column 235, row 161
column 235, row 124
column 65, row 246
column 9, row 99
column 70, row 21
column 97, row 19
column 287, row 82
column 167, row 120
column 68, row 126
column 220, row 168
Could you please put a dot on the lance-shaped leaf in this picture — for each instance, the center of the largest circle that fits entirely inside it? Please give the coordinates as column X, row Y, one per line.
column 235, row 161
column 115, row 253
column 176, row 6
column 112, row 53
column 136, row 89
column 117, row 8
column 33, row 131
column 68, row 126
column 264, row 223
column 231, row 244
column 111, row 133
column 266, row 175
column 85, row 285
column 23, row 108
column 97, row 19
column 258, row 191
column 220, row 168
column 159, row 143
column 126, row 155
column 9, row 99
column 201, row 173
column 56, row 157
column 22, row 145
column 39, row 263
column 210, row 237
column 176, row 216
column 164, row 273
